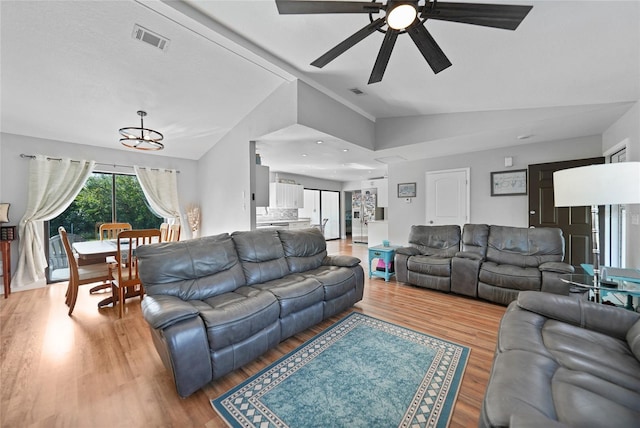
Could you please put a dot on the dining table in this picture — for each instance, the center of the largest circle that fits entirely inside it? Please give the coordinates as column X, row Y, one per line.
column 91, row 252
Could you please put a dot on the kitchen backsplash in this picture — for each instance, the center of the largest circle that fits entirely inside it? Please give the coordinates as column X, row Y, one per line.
column 269, row 214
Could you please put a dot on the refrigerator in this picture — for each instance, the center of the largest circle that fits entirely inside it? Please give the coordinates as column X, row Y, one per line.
column 363, row 210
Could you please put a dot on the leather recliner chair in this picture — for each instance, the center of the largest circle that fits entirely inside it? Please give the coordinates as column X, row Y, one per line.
column 520, row 259
column 426, row 262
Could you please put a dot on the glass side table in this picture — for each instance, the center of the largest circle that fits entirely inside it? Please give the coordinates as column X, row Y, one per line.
column 386, row 254
column 585, row 282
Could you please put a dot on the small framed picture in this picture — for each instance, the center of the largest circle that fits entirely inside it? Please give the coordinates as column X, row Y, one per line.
column 507, row 183
column 406, row 190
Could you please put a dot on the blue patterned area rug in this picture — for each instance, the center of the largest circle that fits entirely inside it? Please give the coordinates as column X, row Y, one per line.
column 360, row 372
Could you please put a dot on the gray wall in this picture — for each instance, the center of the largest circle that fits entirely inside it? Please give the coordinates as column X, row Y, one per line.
column 504, row 210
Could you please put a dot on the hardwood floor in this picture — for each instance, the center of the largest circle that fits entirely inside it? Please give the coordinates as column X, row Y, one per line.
column 94, row 370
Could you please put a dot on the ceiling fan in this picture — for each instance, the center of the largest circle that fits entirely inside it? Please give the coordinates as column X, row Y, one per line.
column 406, row 17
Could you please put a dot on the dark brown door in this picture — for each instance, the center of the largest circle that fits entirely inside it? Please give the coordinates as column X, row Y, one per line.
column 575, row 222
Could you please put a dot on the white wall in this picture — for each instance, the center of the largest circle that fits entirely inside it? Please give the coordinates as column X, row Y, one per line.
column 503, row 210
column 14, row 170
column 627, row 129
column 223, row 172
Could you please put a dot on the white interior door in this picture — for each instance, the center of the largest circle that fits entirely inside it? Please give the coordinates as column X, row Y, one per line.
column 448, row 197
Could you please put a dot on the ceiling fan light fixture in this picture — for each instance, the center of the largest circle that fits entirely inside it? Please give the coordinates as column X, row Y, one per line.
column 141, row 138
column 401, row 16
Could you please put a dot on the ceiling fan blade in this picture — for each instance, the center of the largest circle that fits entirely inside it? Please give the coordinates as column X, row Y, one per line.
column 504, row 16
column 301, row 7
column 349, row 42
column 383, row 56
column 428, row 47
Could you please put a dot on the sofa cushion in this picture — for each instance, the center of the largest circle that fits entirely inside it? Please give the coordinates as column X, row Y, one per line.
column 304, row 249
column 335, row 280
column 525, row 247
column 261, row 255
column 294, row 292
column 511, row 277
column 443, row 241
column 633, row 339
column 436, row 266
column 474, row 239
column 195, row 269
column 232, row 317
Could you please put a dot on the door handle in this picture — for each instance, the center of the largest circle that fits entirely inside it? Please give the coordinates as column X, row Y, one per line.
column 532, row 212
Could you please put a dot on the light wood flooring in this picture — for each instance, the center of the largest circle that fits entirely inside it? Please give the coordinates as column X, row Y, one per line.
column 95, row 370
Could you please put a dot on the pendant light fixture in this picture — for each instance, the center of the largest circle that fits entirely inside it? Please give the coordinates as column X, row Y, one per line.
column 141, row 138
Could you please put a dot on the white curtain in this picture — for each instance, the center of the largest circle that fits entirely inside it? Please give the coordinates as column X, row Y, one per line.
column 160, row 187
column 53, row 185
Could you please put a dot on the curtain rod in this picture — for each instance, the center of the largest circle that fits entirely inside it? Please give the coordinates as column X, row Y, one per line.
column 22, row 155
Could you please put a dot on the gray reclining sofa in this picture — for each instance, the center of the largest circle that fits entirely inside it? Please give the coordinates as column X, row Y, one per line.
column 564, row 362
column 216, row 303
column 494, row 263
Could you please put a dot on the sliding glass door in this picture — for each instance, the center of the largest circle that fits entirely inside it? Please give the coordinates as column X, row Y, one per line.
column 323, row 208
column 105, row 198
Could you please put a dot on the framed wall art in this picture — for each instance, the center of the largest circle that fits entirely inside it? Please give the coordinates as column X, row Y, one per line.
column 508, row 183
column 406, row 190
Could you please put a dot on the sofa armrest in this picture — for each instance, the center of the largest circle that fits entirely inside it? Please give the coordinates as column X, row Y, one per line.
column 161, row 311
column 609, row 320
column 559, row 267
column 342, row 261
column 408, row 251
column 469, row 255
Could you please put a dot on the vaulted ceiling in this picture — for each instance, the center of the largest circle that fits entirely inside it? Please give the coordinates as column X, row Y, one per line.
column 72, row 71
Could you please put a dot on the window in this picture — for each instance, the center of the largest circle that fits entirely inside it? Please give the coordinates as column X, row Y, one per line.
column 105, row 198
column 617, row 226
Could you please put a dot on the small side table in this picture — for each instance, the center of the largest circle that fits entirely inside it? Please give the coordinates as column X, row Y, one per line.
column 386, row 254
column 5, row 246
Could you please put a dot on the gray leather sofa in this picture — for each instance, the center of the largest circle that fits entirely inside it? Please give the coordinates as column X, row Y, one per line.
column 564, row 362
column 494, row 263
column 426, row 262
column 216, row 303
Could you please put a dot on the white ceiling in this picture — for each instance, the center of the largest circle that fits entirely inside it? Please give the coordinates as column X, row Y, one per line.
column 71, row 71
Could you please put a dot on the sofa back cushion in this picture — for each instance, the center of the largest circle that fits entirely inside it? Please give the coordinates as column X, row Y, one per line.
column 633, row 339
column 195, row 269
column 261, row 255
column 304, row 249
column 475, row 238
column 440, row 241
column 525, row 247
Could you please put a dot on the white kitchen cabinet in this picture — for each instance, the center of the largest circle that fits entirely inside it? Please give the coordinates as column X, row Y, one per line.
column 382, row 188
column 286, row 195
column 378, row 232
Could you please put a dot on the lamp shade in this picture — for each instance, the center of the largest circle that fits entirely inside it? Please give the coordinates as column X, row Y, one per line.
column 604, row 184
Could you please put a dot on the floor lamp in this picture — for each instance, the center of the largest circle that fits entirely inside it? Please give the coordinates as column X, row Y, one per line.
column 604, row 184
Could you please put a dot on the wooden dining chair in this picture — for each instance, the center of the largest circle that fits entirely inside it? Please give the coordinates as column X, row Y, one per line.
column 164, row 232
column 80, row 275
column 174, row 233
column 125, row 280
column 111, row 230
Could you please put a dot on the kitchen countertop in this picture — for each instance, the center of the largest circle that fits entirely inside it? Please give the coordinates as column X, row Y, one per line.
column 280, row 222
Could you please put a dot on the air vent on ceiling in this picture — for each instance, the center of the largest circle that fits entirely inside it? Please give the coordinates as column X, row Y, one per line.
column 356, row 91
column 154, row 39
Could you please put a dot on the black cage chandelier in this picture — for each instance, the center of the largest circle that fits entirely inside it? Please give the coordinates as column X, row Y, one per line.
column 141, row 138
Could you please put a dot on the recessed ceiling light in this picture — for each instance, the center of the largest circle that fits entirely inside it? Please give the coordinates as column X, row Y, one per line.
column 319, row 142
column 304, row 155
column 524, row 136
column 345, row 150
